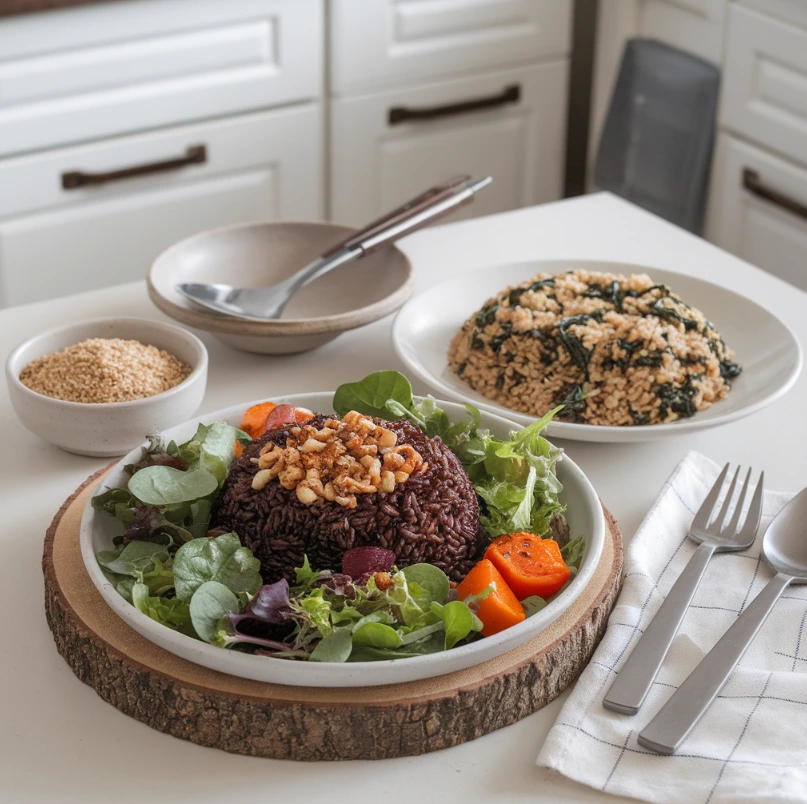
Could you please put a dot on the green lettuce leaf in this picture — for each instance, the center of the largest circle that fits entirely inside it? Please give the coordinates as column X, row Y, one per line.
column 171, row 612
column 370, row 395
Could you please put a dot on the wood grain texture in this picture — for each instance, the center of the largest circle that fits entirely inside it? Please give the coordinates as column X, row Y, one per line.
column 9, row 7
column 301, row 723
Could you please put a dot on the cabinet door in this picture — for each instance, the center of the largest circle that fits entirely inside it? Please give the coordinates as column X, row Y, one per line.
column 761, row 217
column 379, row 159
column 108, row 69
column 56, row 241
column 400, row 42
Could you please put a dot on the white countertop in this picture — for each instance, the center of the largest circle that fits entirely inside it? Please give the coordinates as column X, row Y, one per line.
column 59, row 742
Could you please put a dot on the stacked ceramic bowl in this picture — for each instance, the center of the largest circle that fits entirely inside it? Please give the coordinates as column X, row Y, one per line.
column 258, row 255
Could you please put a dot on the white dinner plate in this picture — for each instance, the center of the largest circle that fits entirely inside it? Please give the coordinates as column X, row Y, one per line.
column 584, row 515
column 766, row 349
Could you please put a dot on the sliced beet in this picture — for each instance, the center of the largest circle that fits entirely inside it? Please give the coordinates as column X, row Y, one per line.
column 362, row 560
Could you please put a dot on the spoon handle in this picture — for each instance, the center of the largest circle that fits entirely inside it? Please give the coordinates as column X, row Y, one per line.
column 686, row 707
column 431, row 196
column 636, row 676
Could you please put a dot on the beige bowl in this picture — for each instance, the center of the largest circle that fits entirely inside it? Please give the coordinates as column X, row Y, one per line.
column 262, row 254
column 113, row 428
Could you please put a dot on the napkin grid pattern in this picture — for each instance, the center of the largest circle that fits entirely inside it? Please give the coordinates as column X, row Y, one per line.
column 752, row 744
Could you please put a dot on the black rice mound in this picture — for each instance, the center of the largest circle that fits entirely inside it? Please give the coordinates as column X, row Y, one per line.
column 433, row 517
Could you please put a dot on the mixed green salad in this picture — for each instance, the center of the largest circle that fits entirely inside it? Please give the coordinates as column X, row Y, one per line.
column 173, row 568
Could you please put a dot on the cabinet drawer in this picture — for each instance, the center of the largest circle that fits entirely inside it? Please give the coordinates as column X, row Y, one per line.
column 695, row 26
column 389, row 42
column 55, row 241
column 765, row 89
column 101, row 70
column 768, row 232
column 379, row 160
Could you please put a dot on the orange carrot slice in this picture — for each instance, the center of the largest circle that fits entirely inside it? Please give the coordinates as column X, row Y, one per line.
column 254, row 420
column 529, row 564
column 500, row 609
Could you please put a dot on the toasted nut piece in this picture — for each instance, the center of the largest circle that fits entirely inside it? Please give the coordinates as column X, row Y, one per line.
column 387, row 482
column 363, row 450
column 385, row 438
column 291, row 456
column 306, row 496
column 311, row 446
column 424, row 467
column 290, row 477
column 401, row 477
column 315, row 484
column 322, row 435
column 330, row 492
column 358, row 486
column 393, row 461
column 267, row 447
column 332, row 423
column 383, row 580
column 347, row 502
column 261, row 479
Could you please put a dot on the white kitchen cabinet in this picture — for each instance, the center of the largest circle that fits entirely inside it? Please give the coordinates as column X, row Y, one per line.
column 387, row 147
column 765, row 87
column 106, row 69
column 692, row 25
column 758, row 209
column 377, row 43
column 56, row 240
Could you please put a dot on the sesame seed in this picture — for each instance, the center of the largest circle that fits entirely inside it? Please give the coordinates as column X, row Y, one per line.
column 100, row 370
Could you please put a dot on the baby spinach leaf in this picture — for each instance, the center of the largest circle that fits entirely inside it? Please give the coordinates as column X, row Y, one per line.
column 210, row 604
column 376, row 635
column 430, row 578
column 222, row 559
column 370, row 395
column 532, row 605
column 172, row 612
column 213, row 447
column 334, row 648
column 457, row 619
column 137, row 557
column 164, row 485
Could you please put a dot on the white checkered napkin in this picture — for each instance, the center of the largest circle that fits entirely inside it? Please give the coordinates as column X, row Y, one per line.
column 751, row 746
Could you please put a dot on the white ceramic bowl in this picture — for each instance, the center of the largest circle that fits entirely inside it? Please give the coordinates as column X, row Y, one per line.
column 766, row 349
column 107, row 429
column 584, row 514
column 265, row 253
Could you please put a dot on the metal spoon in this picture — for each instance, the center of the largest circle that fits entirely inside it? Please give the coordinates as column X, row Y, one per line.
column 268, row 303
column 785, row 548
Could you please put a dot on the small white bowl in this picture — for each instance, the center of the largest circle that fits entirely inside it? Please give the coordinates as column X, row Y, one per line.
column 260, row 254
column 113, row 428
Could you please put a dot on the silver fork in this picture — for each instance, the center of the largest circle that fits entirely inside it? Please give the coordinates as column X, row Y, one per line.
column 636, row 677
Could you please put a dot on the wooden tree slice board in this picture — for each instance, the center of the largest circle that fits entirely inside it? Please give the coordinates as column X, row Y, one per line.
column 304, row 723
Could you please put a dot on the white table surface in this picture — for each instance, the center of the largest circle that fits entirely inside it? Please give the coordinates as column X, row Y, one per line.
column 59, row 742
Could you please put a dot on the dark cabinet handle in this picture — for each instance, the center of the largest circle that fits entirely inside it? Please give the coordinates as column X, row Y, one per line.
column 402, row 114
column 753, row 183
column 194, row 155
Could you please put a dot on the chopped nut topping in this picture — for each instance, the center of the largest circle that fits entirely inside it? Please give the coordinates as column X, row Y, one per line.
column 338, row 461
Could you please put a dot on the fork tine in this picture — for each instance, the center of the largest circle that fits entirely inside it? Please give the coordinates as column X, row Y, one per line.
column 704, row 514
column 751, row 524
column 734, row 525
column 717, row 526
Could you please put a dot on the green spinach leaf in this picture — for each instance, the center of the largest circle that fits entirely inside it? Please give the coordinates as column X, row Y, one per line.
column 210, row 603
column 430, row 578
column 222, row 559
column 371, row 395
column 334, row 648
column 376, row 635
column 164, row 485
